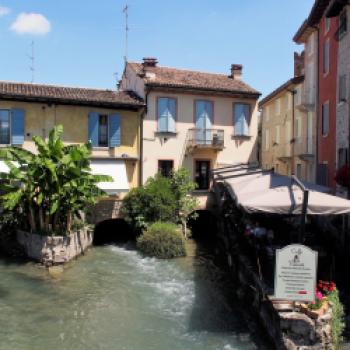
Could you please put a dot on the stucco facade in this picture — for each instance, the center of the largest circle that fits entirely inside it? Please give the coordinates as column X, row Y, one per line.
column 40, row 118
column 288, row 132
column 175, row 146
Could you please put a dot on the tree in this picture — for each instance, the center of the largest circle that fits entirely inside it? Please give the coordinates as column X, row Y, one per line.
column 155, row 201
column 52, row 187
column 186, row 204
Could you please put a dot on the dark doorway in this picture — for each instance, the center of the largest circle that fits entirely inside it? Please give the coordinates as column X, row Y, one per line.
column 202, row 170
column 204, row 226
column 112, row 231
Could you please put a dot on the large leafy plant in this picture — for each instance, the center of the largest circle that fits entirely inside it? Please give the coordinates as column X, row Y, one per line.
column 50, row 188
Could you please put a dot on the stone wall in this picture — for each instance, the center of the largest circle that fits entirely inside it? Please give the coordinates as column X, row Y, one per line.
column 53, row 250
column 105, row 209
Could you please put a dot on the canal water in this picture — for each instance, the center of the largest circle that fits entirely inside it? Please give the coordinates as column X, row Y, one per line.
column 113, row 298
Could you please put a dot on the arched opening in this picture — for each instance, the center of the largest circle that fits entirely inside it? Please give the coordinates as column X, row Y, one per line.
column 204, row 226
column 112, row 231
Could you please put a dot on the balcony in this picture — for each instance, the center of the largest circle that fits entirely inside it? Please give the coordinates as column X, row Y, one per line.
column 205, row 139
column 304, row 148
column 305, row 102
column 283, row 151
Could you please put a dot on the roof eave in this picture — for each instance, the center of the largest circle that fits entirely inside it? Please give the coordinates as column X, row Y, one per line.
column 62, row 101
column 194, row 89
column 285, row 86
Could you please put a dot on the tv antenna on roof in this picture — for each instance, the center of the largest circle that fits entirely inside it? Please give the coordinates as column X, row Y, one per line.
column 32, row 61
column 126, row 12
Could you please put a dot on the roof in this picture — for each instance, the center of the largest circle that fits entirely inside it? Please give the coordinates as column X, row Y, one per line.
column 166, row 77
column 69, row 95
column 286, row 85
column 335, row 7
column 313, row 19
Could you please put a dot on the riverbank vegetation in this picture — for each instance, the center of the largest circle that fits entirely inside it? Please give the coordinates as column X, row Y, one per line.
column 162, row 240
column 47, row 192
column 158, row 209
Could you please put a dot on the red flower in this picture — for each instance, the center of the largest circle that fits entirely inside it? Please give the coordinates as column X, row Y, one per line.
column 343, row 176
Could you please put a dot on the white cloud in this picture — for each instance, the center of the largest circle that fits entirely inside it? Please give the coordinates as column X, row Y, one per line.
column 31, row 23
column 4, row 11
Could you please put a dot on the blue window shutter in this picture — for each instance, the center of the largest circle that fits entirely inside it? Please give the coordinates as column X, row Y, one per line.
column 172, row 114
column 241, row 119
column 93, row 128
column 17, row 126
column 114, row 131
column 163, row 114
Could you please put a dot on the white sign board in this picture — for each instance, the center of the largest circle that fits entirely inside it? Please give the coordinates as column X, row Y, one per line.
column 296, row 273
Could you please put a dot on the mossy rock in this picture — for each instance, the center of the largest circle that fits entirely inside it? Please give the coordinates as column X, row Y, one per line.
column 162, row 240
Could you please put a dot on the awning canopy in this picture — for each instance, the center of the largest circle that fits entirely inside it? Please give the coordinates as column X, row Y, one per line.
column 114, row 168
column 267, row 192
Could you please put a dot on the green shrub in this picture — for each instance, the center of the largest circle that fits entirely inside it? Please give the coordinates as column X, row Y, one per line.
column 338, row 324
column 162, row 240
column 155, row 201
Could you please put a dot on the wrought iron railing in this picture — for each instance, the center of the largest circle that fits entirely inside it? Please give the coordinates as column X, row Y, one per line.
column 206, row 138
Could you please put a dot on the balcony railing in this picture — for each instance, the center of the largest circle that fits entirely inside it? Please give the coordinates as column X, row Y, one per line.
column 205, row 138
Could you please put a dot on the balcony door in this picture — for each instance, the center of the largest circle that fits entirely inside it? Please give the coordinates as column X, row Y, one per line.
column 204, row 120
column 202, row 174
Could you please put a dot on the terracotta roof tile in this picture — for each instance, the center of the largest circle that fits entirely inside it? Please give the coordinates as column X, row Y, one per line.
column 68, row 95
column 188, row 79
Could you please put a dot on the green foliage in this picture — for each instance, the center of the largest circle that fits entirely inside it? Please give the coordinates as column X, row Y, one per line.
column 183, row 186
column 162, row 240
column 338, row 324
column 160, row 199
column 153, row 202
column 49, row 189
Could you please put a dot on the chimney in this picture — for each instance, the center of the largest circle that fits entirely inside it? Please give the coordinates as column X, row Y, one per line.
column 298, row 64
column 149, row 62
column 236, row 71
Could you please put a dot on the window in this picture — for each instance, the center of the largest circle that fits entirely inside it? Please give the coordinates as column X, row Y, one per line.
column 165, row 167
column 342, row 157
column 104, row 130
column 327, row 24
column 12, row 126
column 241, row 119
column 277, row 139
column 4, row 127
column 342, row 88
column 325, row 119
column 299, row 169
column 326, row 57
column 288, row 131
column 278, row 106
column 343, row 23
column 298, row 128
column 267, row 139
column 167, row 108
column 267, row 113
column 202, row 174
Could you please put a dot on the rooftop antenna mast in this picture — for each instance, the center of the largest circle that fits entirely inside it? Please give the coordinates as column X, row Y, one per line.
column 126, row 12
column 32, row 60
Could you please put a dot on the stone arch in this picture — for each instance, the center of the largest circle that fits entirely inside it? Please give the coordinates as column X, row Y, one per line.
column 112, row 231
column 204, row 227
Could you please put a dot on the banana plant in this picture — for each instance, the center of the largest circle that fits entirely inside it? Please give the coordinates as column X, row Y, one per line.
column 50, row 187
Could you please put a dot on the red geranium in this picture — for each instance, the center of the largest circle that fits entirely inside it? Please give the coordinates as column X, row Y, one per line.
column 343, row 176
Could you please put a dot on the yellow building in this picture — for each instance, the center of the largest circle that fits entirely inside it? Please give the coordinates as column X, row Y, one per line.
column 288, row 130
column 110, row 120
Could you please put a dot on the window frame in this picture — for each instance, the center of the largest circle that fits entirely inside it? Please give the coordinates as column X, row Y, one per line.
column 342, row 92
column 157, row 114
column 326, row 54
column 235, row 134
column 325, row 134
column 9, row 129
column 165, row 160
column 99, row 145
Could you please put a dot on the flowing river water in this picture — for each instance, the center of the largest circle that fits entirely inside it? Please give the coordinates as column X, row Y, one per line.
column 113, row 298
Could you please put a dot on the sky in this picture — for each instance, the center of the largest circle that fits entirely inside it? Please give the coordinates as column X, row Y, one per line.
column 82, row 42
